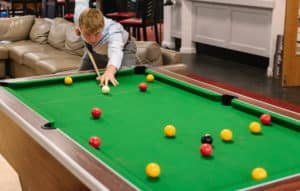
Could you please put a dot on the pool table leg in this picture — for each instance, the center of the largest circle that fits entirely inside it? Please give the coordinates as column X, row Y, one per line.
column 37, row 169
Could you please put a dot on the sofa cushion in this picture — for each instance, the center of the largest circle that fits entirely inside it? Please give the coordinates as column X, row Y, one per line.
column 5, row 23
column 170, row 56
column 56, row 64
column 49, row 52
column 148, row 52
column 57, row 34
column 2, row 69
column 40, row 31
column 18, row 49
column 16, row 28
column 73, row 44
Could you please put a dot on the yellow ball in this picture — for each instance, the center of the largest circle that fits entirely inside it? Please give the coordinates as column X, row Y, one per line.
column 226, row 135
column 68, row 80
column 170, row 131
column 152, row 170
column 255, row 127
column 150, row 78
column 259, row 173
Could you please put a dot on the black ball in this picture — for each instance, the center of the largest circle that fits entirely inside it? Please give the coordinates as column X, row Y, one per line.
column 207, row 138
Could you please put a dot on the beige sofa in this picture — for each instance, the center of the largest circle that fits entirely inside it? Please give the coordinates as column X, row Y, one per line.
column 35, row 46
column 3, row 60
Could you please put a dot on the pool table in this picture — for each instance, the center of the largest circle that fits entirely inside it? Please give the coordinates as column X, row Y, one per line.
column 46, row 125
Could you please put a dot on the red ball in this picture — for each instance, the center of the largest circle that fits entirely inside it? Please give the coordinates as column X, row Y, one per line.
column 265, row 119
column 96, row 112
column 206, row 149
column 143, row 87
column 95, row 142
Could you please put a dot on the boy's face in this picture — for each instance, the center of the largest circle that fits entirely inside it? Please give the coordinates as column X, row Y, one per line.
column 91, row 38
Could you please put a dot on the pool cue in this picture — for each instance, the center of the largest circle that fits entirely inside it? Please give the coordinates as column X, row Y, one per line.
column 94, row 63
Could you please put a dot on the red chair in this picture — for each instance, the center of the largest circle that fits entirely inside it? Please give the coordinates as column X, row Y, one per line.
column 128, row 12
column 65, row 9
column 69, row 9
column 69, row 16
column 146, row 18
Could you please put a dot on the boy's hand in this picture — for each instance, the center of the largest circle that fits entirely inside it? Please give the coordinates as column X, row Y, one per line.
column 109, row 76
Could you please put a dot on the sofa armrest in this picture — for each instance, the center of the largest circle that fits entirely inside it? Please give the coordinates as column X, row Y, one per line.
column 3, row 53
column 3, row 59
column 151, row 53
column 170, row 56
column 176, row 68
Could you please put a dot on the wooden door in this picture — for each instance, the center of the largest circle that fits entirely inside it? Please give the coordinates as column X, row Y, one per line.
column 291, row 52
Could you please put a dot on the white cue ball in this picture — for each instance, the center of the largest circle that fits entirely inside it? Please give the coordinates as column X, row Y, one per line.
column 105, row 89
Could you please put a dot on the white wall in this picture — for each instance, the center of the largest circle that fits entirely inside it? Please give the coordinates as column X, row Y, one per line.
column 175, row 28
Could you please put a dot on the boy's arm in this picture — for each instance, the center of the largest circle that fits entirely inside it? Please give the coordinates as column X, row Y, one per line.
column 115, row 56
column 115, row 50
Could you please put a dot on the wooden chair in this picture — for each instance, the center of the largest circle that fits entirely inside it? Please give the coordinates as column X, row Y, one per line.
column 109, row 6
column 159, row 17
column 145, row 17
column 69, row 9
column 24, row 7
column 65, row 9
column 126, row 9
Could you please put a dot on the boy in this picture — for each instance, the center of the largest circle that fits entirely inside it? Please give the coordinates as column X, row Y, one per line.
column 107, row 41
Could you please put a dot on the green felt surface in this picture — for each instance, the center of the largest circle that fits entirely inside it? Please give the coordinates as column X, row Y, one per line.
column 131, row 130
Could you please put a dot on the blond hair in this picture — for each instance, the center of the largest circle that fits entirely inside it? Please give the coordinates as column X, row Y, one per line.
column 91, row 21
